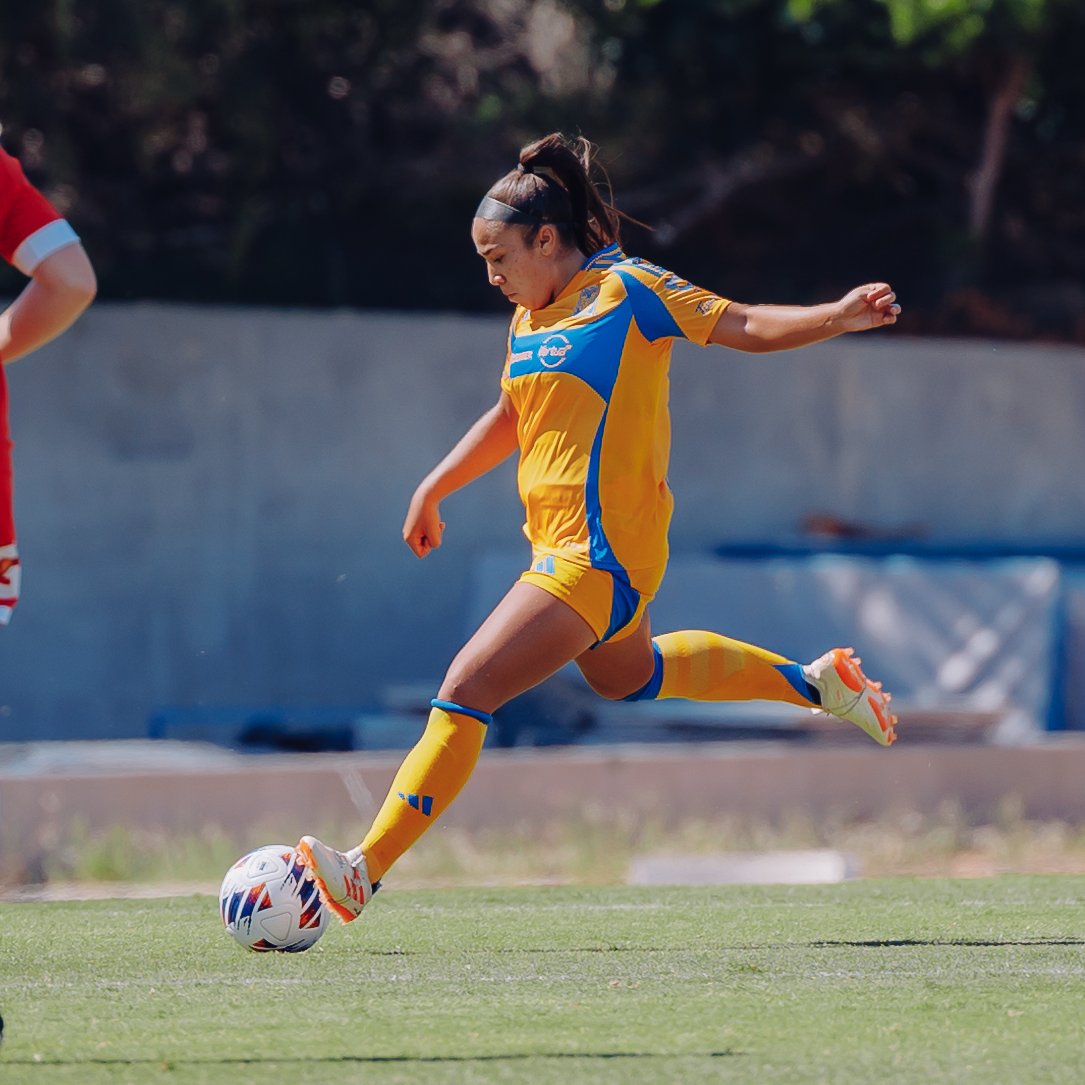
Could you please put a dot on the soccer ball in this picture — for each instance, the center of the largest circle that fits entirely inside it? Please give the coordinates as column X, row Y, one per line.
column 269, row 901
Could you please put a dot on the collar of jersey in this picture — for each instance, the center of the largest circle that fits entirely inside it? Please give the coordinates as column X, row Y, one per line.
column 609, row 250
column 610, row 254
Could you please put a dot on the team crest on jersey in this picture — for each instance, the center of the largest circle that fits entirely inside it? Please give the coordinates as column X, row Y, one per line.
column 585, row 303
column 554, row 350
column 705, row 307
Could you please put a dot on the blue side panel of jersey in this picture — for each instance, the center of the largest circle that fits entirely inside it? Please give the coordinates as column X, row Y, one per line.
column 651, row 315
column 599, row 549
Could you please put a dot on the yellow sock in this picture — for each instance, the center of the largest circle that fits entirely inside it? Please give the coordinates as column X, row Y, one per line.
column 703, row 666
column 430, row 777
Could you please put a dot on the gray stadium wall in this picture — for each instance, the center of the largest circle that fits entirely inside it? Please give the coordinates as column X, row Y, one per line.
column 210, row 500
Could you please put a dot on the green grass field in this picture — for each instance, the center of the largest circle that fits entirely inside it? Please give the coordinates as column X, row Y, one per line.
column 899, row 980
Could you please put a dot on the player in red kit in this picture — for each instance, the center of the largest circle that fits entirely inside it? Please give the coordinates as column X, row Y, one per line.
column 35, row 239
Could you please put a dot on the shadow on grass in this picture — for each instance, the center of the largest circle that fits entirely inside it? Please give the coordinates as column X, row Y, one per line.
column 888, row 943
column 870, row 943
column 374, row 1059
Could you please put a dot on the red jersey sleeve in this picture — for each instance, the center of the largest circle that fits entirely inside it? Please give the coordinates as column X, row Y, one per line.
column 30, row 227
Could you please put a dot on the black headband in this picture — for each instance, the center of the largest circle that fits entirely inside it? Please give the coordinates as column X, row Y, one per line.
column 496, row 211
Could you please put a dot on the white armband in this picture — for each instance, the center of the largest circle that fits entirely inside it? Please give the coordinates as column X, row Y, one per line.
column 55, row 235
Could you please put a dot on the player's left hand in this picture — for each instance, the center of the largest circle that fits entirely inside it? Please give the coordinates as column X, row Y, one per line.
column 870, row 306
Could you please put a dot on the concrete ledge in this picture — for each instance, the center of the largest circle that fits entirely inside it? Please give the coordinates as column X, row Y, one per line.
column 667, row 784
column 812, row 866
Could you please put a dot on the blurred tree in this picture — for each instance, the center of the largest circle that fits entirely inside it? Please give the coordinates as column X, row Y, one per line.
column 998, row 37
column 1014, row 55
column 322, row 153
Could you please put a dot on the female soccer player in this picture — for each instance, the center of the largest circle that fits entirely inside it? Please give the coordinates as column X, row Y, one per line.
column 42, row 245
column 584, row 402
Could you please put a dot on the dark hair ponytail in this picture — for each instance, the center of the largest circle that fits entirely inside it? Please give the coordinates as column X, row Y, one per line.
column 553, row 184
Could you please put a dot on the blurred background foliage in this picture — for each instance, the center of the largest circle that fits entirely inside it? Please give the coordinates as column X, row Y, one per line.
column 327, row 153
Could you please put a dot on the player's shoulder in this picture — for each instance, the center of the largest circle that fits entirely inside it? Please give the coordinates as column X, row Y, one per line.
column 15, row 188
column 652, row 275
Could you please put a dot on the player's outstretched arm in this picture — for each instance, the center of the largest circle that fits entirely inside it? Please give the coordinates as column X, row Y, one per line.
column 61, row 287
column 763, row 328
column 490, row 441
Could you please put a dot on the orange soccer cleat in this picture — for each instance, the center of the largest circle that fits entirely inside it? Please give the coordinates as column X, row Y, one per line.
column 341, row 878
column 847, row 693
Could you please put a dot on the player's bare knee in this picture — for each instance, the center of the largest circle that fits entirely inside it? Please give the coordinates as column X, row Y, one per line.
column 466, row 688
column 611, row 690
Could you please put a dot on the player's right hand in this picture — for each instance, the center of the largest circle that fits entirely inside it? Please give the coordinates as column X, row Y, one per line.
column 423, row 527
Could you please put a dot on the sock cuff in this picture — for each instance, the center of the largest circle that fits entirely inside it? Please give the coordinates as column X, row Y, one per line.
column 796, row 676
column 650, row 690
column 474, row 713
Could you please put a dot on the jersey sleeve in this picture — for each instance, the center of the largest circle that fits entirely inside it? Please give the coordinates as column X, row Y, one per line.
column 666, row 305
column 30, row 227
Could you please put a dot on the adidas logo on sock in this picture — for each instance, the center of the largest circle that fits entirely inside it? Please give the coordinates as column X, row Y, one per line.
column 419, row 802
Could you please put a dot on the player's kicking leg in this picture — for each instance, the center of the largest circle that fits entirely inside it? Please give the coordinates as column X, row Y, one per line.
column 703, row 666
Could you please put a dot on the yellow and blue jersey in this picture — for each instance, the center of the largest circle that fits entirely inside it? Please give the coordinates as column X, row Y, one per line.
column 589, row 378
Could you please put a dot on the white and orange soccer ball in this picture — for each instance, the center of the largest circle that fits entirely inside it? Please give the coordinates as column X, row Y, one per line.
column 269, row 901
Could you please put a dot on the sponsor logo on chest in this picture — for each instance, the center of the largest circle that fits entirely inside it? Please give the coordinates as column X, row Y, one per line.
column 554, row 350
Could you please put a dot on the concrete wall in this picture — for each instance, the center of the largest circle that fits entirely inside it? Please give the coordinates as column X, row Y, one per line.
column 283, row 796
column 210, row 500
